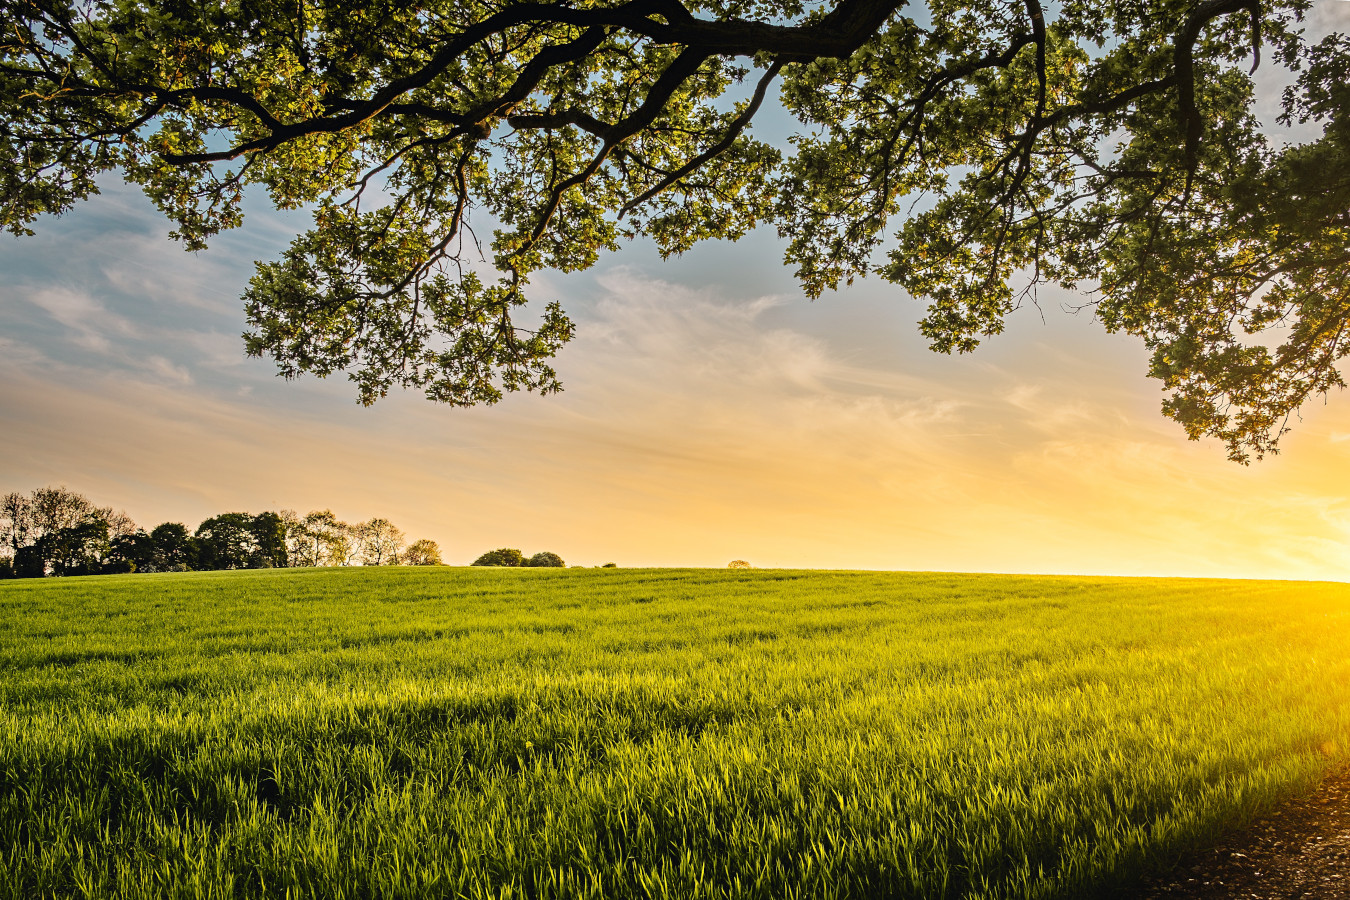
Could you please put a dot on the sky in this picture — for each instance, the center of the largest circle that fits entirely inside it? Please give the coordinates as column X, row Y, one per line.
column 711, row 412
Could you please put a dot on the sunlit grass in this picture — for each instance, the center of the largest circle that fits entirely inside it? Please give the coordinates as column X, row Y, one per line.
column 648, row 733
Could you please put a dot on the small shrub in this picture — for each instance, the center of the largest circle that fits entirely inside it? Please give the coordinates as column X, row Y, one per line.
column 739, row 564
column 546, row 559
column 609, row 566
column 504, row 556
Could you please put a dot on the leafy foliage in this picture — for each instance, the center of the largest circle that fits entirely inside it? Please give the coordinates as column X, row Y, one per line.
column 546, row 559
column 504, row 556
column 241, row 541
column 78, row 550
column 173, row 547
column 422, row 552
column 967, row 152
column 380, row 542
column 320, row 539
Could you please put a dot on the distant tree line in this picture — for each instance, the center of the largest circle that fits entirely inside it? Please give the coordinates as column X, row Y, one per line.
column 506, row 556
column 54, row 531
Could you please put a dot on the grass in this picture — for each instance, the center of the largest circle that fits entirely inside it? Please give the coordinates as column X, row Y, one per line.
column 648, row 733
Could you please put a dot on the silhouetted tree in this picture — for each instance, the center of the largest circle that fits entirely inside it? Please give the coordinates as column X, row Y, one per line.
column 131, row 553
column 546, row 559
column 269, row 539
column 226, row 541
column 119, row 523
column 54, row 508
column 28, row 563
column 79, row 549
column 175, row 548
column 16, row 522
column 58, row 531
column 27, row 519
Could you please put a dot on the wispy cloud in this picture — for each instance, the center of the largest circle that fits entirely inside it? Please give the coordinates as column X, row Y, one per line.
column 89, row 323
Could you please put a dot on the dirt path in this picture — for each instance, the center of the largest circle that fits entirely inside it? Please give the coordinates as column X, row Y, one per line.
column 1301, row 851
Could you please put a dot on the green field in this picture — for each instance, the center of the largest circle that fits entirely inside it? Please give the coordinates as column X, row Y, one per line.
column 621, row 733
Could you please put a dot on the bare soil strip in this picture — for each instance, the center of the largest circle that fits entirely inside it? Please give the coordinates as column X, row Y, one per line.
column 1301, row 851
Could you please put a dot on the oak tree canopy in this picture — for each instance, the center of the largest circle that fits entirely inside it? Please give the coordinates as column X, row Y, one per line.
column 965, row 151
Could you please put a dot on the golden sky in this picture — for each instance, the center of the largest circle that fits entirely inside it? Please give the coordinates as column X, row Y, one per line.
column 710, row 413
column 703, row 421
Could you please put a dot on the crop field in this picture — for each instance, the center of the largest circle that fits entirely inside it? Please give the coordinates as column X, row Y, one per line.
column 443, row 732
